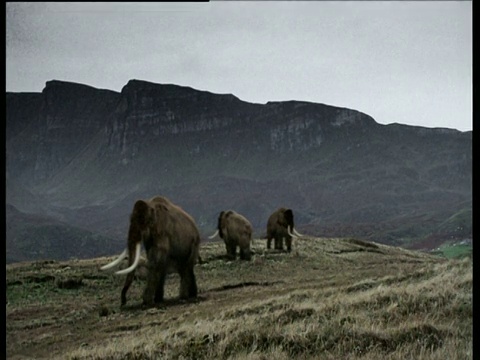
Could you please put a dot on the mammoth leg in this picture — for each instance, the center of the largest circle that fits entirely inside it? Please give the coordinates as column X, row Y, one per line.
column 188, row 283
column 161, row 283
column 126, row 286
column 157, row 272
column 269, row 242
column 288, row 242
column 279, row 243
column 245, row 254
column 231, row 250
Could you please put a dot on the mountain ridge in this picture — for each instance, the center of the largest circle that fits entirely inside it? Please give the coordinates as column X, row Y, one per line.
column 86, row 154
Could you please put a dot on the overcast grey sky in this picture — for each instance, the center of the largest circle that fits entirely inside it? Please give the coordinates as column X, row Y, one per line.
column 408, row 62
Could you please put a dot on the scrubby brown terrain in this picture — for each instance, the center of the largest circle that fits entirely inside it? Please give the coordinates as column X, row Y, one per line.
column 328, row 299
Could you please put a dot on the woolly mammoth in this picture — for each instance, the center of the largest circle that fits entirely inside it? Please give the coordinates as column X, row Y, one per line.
column 236, row 231
column 171, row 240
column 280, row 226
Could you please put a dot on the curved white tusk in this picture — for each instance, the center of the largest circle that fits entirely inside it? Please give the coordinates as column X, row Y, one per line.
column 297, row 233
column 135, row 263
column 122, row 256
column 290, row 233
column 212, row 236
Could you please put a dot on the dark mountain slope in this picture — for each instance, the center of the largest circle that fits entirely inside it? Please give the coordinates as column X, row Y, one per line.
column 42, row 237
column 55, row 128
column 91, row 153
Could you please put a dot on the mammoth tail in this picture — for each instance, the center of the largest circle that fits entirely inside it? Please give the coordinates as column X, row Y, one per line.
column 135, row 262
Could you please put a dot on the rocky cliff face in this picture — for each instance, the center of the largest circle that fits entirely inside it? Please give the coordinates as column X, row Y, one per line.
column 54, row 128
column 147, row 112
column 84, row 155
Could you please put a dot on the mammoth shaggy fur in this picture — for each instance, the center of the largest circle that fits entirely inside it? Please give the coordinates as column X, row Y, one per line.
column 236, row 231
column 171, row 240
column 281, row 226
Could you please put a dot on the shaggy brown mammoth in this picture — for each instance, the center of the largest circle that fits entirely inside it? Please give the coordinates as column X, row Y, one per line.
column 236, row 231
column 171, row 240
column 280, row 226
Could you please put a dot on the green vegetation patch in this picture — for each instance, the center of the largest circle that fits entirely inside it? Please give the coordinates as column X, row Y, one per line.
column 455, row 250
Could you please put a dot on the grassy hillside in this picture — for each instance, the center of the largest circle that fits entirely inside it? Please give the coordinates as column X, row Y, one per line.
column 329, row 299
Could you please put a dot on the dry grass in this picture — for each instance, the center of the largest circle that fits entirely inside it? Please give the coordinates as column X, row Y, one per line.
column 328, row 299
